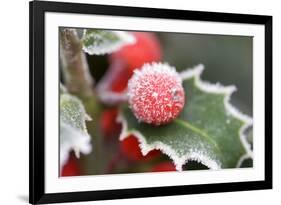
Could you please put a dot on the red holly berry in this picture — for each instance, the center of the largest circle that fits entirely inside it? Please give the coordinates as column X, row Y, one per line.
column 164, row 167
column 71, row 168
column 108, row 123
column 121, row 77
column 130, row 148
column 146, row 49
column 156, row 95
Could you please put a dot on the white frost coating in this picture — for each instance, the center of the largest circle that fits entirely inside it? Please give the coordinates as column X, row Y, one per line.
column 227, row 90
column 241, row 160
column 88, row 117
column 152, row 69
column 205, row 160
column 73, row 139
column 203, row 85
column 177, row 160
column 107, row 47
column 103, row 88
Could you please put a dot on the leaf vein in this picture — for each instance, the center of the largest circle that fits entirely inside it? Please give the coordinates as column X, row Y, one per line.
column 200, row 132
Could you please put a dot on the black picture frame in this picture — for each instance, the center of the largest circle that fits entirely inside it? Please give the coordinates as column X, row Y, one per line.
column 37, row 194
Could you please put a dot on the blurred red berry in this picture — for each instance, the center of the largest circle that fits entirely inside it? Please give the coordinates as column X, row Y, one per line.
column 71, row 168
column 120, row 80
column 130, row 148
column 108, row 123
column 164, row 167
column 146, row 50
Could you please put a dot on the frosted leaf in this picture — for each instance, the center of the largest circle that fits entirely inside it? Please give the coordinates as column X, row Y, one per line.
column 100, row 42
column 209, row 129
column 72, row 139
column 73, row 131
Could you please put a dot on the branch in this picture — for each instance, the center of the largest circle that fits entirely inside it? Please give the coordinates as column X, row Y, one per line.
column 76, row 71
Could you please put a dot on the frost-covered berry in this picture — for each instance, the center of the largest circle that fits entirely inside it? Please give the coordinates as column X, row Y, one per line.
column 123, row 62
column 156, row 95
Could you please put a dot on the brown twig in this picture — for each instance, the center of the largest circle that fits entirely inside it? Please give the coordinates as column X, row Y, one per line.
column 76, row 71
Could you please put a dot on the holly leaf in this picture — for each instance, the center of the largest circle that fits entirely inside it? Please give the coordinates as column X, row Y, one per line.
column 209, row 130
column 100, row 42
column 73, row 131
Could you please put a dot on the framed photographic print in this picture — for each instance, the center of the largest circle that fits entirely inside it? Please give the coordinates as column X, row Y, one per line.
column 140, row 102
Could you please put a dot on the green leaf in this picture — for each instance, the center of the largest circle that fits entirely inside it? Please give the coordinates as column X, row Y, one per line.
column 72, row 112
column 73, row 131
column 209, row 129
column 100, row 42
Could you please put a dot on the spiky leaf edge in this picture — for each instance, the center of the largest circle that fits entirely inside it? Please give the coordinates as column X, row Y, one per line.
column 205, row 160
column 75, row 143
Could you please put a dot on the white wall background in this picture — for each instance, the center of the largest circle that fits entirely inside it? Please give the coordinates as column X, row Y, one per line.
column 14, row 100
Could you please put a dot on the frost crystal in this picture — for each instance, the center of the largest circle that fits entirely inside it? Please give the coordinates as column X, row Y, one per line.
column 72, row 139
